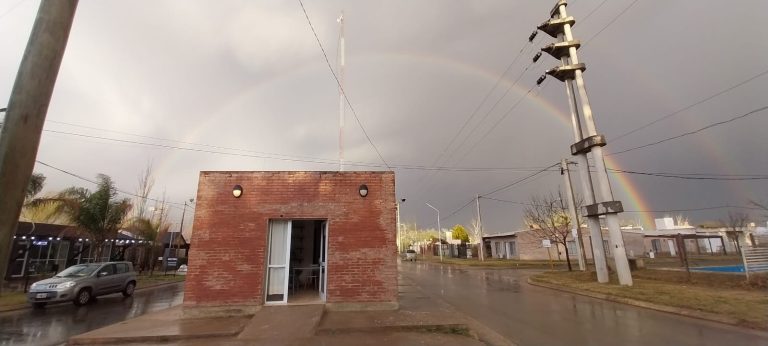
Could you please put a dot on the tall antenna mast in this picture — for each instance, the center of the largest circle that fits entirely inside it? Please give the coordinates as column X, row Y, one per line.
column 342, row 105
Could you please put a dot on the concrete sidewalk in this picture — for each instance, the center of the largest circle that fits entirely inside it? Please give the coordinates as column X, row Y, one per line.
column 420, row 320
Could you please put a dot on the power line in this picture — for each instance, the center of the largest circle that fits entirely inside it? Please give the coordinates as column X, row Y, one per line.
column 690, row 106
column 507, row 201
column 457, row 210
column 116, row 189
column 167, row 146
column 498, row 121
column 282, row 157
column 10, row 9
column 702, row 174
column 344, row 93
column 611, row 22
column 475, row 112
column 690, row 177
column 639, row 211
column 176, row 141
column 593, row 10
column 477, row 125
column 694, row 131
column 693, row 209
column 480, row 105
column 518, row 181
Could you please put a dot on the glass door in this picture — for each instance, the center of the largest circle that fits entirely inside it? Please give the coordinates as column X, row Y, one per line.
column 278, row 261
column 323, row 285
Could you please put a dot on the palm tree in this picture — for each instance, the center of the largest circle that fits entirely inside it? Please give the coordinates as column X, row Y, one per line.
column 36, row 182
column 99, row 213
column 40, row 209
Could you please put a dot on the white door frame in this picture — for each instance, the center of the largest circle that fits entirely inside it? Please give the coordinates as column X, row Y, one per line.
column 323, row 261
column 286, row 265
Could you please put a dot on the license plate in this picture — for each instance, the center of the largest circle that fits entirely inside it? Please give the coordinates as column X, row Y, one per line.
column 41, row 295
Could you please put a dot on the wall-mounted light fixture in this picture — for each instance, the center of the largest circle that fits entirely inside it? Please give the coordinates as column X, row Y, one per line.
column 237, row 191
column 363, row 190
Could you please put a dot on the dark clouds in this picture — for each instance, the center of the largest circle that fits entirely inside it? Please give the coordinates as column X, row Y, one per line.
column 249, row 75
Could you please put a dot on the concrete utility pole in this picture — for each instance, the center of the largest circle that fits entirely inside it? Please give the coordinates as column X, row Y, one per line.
column 601, row 203
column 480, row 224
column 576, row 233
column 26, row 112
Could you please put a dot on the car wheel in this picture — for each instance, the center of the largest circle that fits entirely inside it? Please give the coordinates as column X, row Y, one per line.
column 38, row 305
column 83, row 297
column 129, row 288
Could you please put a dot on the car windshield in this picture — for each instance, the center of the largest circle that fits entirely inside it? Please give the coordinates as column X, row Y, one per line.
column 79, row 270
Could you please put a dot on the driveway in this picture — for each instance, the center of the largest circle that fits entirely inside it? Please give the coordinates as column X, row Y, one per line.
column 56, row 323
column 528, row 315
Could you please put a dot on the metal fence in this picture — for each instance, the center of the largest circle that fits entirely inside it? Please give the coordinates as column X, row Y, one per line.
column 755, row 260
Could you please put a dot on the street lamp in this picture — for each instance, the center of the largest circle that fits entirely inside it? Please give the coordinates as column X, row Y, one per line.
column 439, row 230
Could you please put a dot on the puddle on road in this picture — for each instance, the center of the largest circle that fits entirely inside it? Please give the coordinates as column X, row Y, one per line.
column 501, row 283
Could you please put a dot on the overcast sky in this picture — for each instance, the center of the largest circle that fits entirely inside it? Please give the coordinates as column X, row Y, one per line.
column 248, row 78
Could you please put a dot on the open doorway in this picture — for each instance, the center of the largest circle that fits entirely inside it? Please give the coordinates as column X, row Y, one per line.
column 296, row 269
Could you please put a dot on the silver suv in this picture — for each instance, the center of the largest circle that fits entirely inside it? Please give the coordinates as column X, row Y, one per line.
column 80, row 283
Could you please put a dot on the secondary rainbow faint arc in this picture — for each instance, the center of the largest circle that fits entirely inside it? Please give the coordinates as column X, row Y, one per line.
column 635, row 198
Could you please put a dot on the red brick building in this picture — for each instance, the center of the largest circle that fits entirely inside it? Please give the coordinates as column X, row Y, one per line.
column 294, row 237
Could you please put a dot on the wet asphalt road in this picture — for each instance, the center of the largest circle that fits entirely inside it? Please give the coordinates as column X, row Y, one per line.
column 56, row 323
column 528, row 315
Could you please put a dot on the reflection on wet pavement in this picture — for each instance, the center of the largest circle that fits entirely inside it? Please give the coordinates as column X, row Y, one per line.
column 56, row 323
column 529, row 315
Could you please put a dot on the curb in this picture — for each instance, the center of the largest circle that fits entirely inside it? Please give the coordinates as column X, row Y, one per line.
column 146, row 339
column 523, row 267
column 702, row 315
column 26, row 306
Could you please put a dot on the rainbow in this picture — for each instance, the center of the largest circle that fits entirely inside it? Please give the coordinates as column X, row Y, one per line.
column 628, row 190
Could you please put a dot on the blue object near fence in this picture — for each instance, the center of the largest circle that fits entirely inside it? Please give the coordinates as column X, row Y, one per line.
column 721, row 269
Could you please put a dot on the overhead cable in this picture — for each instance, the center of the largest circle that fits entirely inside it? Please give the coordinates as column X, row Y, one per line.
column 755, row 111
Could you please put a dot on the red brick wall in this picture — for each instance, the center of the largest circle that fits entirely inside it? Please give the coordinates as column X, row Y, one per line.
column 229, row 237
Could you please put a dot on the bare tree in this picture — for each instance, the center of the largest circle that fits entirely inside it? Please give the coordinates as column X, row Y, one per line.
column 474, row 231
column 146, row 182
column 737, row 222
column 548, row 218
column 681, row 220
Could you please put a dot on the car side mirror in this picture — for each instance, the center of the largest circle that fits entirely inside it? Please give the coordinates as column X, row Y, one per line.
column 103, row 274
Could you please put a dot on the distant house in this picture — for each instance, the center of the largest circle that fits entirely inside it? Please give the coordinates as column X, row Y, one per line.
column 526, row 245
column 698, row 240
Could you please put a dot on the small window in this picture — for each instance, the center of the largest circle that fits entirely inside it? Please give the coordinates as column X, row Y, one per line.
column 122, row 268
